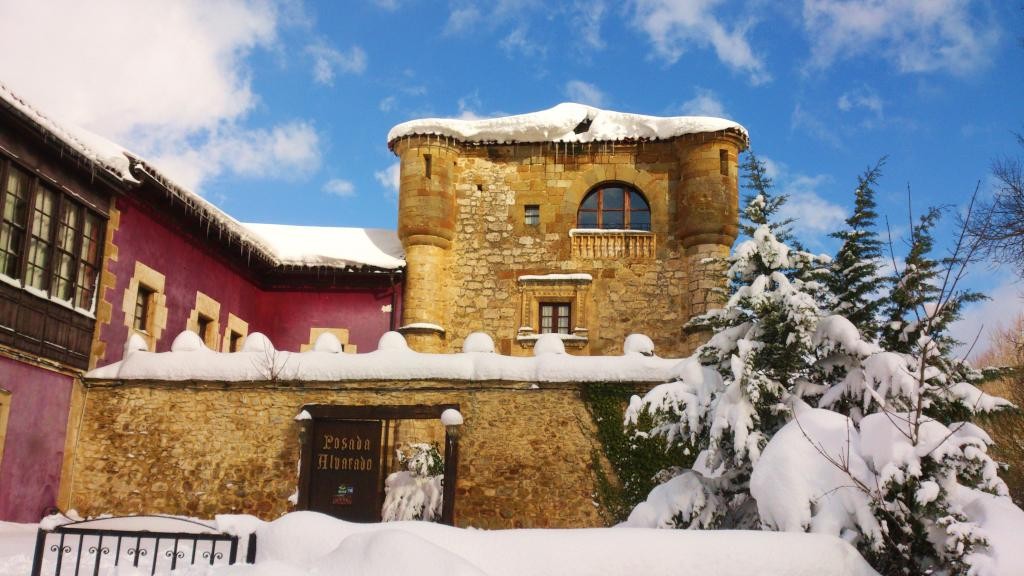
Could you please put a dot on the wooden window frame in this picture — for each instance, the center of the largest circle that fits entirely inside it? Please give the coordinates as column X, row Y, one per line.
column 144, row 298
column 556, row 309
column 63, row 204
column 627, row 209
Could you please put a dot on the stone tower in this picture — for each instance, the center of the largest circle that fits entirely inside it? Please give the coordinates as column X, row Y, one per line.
column 584, row 222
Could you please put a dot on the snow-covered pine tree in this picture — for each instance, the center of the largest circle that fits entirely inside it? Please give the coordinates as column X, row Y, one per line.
column 854, row 280
column 731, row 398
column 912, row 402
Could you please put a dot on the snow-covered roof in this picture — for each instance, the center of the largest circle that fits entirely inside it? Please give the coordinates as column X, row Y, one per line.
column 190, row 360
column 277, row 245
column 330, row 246
column 102, row 152
column 566, row 122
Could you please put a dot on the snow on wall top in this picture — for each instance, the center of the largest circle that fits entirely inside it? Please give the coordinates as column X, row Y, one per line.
column 329, row 246
column 565, row 123
column 393, row 360
column 102, row 152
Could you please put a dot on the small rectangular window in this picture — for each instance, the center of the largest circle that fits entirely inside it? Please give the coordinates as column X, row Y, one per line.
column 143, row 301
column 426, row 165
column 531, row 214
column 204, row 324
column 555, row 318
column 723, row 162
column 235, row 342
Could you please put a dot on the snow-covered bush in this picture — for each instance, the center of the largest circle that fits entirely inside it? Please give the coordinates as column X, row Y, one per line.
column 888, row 459
column 416, row 492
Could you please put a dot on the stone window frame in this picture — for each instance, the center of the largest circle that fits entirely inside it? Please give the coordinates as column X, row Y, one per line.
column 235, row 325
column 209, row 308
column 340, row 333
column 553, row 289
column 156, row 315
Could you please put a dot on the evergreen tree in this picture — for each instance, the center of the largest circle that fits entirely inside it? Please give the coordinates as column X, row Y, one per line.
column 745, row 374
column 854, row 281
column 909, row 454
column 762, row 204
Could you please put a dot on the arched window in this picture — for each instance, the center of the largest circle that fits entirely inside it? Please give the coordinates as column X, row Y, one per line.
column 614, row 206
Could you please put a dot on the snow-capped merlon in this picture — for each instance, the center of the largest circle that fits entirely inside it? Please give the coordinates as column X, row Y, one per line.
column 258, row 361
column 451, row 417
column 566, row 122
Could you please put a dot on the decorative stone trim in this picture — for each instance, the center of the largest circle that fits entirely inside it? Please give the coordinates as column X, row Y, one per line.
column 340, row 333
column 237, row 326
column 603, row 244
column 157, row 319
column 107, row 282
column 210, row 308
column 553, row 288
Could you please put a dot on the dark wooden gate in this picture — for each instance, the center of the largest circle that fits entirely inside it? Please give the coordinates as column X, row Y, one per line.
column 344, row 451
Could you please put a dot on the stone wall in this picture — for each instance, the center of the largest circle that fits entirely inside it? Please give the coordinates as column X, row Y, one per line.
column 473, row 256
column 206, row 448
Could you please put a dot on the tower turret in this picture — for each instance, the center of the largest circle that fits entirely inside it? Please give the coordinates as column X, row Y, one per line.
column 426, row 227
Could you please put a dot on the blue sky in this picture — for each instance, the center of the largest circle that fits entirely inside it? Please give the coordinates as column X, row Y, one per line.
column 279, row 111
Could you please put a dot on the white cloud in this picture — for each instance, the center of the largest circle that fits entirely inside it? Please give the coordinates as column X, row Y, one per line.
column 327, row 59
column 674, row 25
column 390, row 178
column 586, row 22
column 809, row 123
column 339, row 187
column 518, row 41
column 704, row 103
column 585, row 93
column 864, row 98
column 389, row 5
column 286, row 151
column 914, row 36
column 813, row 213
column 387, row 104
column 461, row 19
column 815, row 216
column 981, row 319
column 180, row 94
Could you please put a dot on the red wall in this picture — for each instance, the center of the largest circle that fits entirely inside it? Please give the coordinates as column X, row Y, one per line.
column 284, row 316
column 34, row 449
column 289, row 316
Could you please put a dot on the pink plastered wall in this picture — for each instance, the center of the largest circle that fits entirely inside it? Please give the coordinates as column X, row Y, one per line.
column 364, row 313
column 34, row 447
column 286, row 317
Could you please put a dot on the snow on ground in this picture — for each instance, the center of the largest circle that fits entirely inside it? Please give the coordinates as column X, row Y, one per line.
column 566, row 122
column 189, row 359
column 314, row 544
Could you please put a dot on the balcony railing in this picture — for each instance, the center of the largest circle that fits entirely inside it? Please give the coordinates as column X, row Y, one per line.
column 598, row 244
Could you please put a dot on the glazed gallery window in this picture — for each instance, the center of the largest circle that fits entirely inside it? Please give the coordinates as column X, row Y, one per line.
column 48, row 241
column 614, row 207
column 555, row 318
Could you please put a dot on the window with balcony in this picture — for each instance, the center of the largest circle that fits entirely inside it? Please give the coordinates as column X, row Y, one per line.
column 614, row 206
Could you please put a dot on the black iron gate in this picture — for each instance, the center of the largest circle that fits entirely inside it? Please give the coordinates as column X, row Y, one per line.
column 85, row 547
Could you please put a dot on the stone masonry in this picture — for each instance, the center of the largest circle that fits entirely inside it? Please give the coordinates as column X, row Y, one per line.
column 461, row 221
column 196, row 448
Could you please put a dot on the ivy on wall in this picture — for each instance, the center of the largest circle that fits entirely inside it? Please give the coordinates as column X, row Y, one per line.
column 639, row 462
